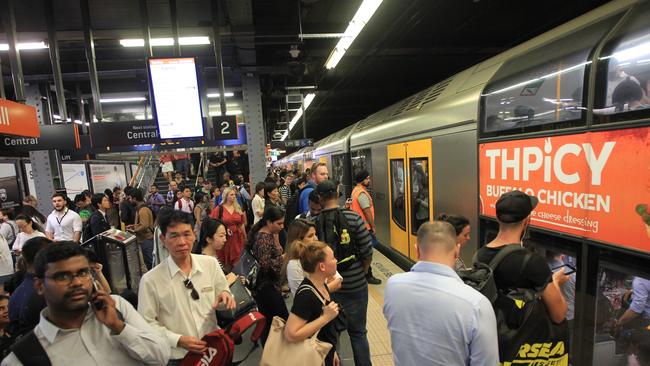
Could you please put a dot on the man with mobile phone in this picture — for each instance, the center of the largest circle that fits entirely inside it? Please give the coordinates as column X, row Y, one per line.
column 70, row 331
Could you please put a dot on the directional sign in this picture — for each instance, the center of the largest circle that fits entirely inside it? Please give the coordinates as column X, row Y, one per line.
column 18, row 119
column 225, row 127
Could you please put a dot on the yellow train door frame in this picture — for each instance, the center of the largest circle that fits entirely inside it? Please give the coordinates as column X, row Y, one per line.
column 410, row 192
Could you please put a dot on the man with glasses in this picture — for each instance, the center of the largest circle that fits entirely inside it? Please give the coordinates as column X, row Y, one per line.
column 63, row 223
column 82, row 324
column 179, row 296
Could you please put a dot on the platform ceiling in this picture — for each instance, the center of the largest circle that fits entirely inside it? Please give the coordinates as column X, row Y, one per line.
column 407, row 46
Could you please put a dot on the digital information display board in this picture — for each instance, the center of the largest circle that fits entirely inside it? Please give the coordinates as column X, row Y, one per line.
column 177, row 104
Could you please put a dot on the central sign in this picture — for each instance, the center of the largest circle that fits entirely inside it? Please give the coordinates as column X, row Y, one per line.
column 123, row 133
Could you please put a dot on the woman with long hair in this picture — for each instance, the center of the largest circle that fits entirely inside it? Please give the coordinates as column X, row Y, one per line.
column 230, row 213
column 312, row 310
column 300, row 233
column 28, row 229
column 264, row 246
column 212, row 238
column 462, row 228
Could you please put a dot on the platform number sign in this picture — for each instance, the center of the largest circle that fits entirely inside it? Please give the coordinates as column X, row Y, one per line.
column 225, row 127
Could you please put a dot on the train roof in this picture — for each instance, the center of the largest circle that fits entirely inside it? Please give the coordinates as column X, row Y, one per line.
column 455, row 100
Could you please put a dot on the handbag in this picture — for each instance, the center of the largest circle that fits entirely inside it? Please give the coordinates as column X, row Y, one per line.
column 279, row 351
column 247, row 267
column 244, row 304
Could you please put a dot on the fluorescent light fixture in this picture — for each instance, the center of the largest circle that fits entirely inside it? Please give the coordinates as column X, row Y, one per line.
column 232, row 112
column 360, row 19
column 166, row 41
column 187, row 41
column 218, row 95
column 56, row 116
column 307, row 101
column 24, row 46
column 632, row 52
column 123, row 100
column 87, row 124
column 77, row 121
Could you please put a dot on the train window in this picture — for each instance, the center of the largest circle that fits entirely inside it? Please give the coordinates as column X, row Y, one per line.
column 338, row 169
column 419, row 173
column 623, row 84
column 543, row 88
column 397, row 182
column 361, row 159
column 622, row 336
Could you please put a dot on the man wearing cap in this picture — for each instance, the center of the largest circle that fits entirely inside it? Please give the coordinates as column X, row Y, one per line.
column 516, row 270
column 363, row 205
column 345, row 232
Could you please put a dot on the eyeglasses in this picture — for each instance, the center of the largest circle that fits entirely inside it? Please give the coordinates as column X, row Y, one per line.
column 66, row 278
column 190, row 286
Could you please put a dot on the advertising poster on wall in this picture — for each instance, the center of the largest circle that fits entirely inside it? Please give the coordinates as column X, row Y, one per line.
column 75, row 179
column 107, row 176
column 9, row 189
column 594, row 185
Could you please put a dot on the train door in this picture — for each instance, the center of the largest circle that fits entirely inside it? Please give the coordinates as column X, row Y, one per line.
column 410, row 191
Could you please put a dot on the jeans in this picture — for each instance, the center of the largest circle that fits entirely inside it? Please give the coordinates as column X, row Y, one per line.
column 147, row 252
column 355, row 306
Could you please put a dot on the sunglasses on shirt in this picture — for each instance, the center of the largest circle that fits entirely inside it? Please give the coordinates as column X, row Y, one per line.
column 190, row 286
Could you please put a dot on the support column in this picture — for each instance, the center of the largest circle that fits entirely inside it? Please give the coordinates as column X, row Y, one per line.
column 9, row 25
column 46, row 165
column 254, row 127
column 89, row 46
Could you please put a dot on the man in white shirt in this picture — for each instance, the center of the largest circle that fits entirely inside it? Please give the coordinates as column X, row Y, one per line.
column 179, row 296
column 63, row 223
column 185, row 204
column 71, row 331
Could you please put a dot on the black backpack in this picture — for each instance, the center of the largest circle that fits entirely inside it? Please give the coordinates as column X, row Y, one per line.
column 332, row 228
column 521, row 316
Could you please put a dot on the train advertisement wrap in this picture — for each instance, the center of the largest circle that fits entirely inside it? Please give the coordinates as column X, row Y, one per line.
column 594, row 184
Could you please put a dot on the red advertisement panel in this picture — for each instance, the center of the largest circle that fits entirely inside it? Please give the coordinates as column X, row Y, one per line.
column 18, row 119
column 594, row 184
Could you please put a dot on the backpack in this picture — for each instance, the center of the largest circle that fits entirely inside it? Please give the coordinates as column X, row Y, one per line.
column 221, row 343
column 248, row 267
column 523, row 324
column 332, row 228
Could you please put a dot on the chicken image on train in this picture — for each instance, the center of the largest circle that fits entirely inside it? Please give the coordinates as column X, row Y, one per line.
column 564, row 116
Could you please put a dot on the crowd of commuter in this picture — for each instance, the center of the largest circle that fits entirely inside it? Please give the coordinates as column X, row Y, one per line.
column 57, row 304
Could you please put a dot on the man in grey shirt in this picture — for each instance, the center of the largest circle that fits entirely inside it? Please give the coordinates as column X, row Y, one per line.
column 82, row 324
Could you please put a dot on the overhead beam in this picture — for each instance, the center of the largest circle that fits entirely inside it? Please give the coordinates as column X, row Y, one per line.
column 54, row 58
column 9, row 25
column 89, row 46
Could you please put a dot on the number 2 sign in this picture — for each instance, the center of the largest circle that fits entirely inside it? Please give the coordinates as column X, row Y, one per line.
column 225, row 127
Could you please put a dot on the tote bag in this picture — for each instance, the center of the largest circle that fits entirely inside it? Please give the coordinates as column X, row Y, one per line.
column 278, row 351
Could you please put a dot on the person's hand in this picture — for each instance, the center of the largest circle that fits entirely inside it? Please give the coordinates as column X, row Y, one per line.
column 330, row 311
column 337, row 360
column 559, row 278
column 226, row 298
column 192, row 344
column 104, row 307
column 129, row 227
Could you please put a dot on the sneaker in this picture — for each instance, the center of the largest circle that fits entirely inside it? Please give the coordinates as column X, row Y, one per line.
column 373, row 280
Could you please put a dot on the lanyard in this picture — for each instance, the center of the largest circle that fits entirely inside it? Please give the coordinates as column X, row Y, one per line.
column 62, row 217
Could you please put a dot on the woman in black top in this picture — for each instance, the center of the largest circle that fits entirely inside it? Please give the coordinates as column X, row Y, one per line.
column 312, row 310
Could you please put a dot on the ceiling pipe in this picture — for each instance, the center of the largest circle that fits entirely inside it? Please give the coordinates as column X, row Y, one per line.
column 9, row 24
column 90, row 57
column 216, row 39
column 54, row 58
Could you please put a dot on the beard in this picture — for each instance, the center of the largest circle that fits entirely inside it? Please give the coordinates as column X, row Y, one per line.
column 59, row 209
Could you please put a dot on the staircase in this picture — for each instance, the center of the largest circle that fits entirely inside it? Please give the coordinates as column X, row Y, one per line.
column 163, row 184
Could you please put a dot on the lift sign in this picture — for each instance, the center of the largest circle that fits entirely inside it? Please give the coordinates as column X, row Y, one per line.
column 594, row 184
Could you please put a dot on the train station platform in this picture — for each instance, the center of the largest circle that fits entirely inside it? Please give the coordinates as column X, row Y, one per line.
column 378, row 335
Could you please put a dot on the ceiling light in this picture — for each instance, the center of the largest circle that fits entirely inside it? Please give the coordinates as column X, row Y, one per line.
column 123, row 100
column 25, row 46
column 166, row 41
column 78, row 121
column 360, row 19
column 233, row 112
column 307, row 101
column 56, row 116
column 218, row 95
column 187, row 41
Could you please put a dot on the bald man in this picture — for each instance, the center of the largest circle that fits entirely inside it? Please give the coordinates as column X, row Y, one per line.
column 433, row 317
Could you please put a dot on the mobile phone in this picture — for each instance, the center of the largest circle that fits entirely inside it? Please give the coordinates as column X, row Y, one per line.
column 98, row 304
column 568, row 269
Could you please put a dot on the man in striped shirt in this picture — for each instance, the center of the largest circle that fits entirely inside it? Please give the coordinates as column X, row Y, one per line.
column 346, row 233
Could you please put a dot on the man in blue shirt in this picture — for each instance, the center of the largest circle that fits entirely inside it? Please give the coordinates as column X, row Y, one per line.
column 433, row 317
column 639, row 310
column 319, row 173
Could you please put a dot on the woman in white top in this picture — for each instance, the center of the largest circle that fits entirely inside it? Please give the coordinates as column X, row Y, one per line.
column 26, row 225
column 258, row 202
column 301, row 232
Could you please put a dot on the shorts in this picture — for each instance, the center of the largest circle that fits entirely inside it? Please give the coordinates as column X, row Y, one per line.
column 167, row 167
